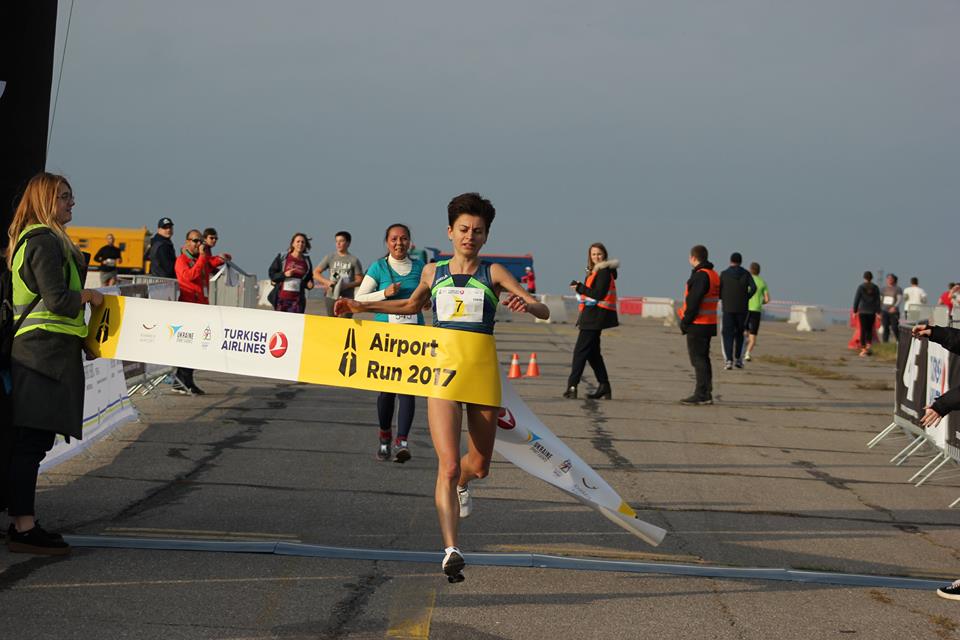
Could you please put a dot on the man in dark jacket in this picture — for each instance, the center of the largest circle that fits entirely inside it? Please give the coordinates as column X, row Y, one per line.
column 698, row 321
column 163, row 257
column 949, row 401
column 736, row 289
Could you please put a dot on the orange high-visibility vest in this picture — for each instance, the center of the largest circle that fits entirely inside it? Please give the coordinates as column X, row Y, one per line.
column 609, row 301
column 707, row 313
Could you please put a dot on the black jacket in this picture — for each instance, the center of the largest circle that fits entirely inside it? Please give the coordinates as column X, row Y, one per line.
column 593, row 318
column 867, row 299
column 47, row 367
column 697, row 288
column 736, row 289
column 275, row 273
column 163, row 257
column 950, row 339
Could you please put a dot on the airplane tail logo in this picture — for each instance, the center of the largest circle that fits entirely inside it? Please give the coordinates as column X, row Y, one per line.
column 103, row 329
column 348, row 361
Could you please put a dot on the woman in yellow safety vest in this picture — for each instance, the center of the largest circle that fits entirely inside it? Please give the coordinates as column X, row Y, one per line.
column 598, row 311
column 46, row 360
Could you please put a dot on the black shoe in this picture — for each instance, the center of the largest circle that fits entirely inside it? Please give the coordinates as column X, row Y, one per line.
column 197, row 391
column 603, row 391
column 570, row 393
column 12, row 530
column 401, row 450
column 383, row 451
column 950, row 592
column 697, row 400
column 453, row 564
column 37, row 541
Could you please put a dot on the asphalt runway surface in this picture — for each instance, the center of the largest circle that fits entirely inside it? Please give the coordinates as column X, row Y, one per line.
column 776, row 475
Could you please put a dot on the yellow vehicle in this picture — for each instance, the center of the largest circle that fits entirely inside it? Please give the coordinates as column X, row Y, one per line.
column 131, row 242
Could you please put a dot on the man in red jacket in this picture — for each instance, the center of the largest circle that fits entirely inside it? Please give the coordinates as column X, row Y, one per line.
column 193, row 268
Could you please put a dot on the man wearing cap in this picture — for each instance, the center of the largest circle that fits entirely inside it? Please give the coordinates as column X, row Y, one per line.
column 163, row 257
column 529, row 280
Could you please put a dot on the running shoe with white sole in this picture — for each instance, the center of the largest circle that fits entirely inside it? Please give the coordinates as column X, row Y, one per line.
column 383, row 451
column 466, row 504
column 401, row 450
column 950, row 592
column 748, row 357
column 453, row 564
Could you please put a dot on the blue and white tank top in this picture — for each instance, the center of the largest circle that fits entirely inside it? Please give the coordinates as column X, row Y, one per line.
column 385, row 275
column 464, row 302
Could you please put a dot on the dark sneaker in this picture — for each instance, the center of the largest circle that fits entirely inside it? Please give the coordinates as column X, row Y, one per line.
column 383, row 451
column 37, row 541
column 738, row 364
column 453, row 564
column 197, row 391
column 401, row 450
column 696, row 400
column 12, row 530
column 950, row 592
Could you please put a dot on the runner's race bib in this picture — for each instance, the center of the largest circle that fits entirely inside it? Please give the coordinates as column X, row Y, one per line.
column 888, row 300
column 456, row 304
column 291, row 284
column 397, row 318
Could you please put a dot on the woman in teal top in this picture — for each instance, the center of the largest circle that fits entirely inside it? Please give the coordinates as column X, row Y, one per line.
column 464, row 291
column 394, row 277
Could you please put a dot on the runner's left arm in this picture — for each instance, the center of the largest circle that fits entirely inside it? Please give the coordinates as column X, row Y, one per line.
column 519, row 299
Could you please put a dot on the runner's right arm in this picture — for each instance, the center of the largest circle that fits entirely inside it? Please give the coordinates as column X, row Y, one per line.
column 411, row 305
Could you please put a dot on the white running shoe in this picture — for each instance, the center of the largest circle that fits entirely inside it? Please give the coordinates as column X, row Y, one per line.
column 747, row 357
column 466, row 504
column 453, row 564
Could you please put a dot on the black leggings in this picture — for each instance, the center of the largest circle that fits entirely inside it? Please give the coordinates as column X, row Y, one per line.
column 24, row 448
column 587, row 350
column 385, row 402
column 867, row 321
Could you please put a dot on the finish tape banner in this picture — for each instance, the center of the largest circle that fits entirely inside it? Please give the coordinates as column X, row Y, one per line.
column 376, row 356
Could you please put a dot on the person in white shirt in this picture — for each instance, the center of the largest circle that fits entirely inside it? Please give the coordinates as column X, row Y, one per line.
column 913, row 295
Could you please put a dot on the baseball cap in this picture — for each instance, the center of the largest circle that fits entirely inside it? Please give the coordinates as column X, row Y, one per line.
column 165, row 222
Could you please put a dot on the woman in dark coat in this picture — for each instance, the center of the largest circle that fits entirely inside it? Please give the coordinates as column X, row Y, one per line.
column 292, row 276
column 598, row 311
column 47, row 355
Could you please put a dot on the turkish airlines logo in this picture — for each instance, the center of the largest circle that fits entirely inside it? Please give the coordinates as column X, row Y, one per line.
column 348, row 361
column 278, row 344
column 505, row 419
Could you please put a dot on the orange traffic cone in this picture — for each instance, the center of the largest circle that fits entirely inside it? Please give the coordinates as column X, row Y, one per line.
column 514, row 367
column 533, row 369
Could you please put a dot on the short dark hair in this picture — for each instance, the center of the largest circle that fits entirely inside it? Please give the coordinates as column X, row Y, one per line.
column 914, row 281
column 868, row 276
column 473, row 204
column 346, row 236
column 209, row 231
column 699, row 252
column 736, row 258
column 892, row 277
column 755, row 268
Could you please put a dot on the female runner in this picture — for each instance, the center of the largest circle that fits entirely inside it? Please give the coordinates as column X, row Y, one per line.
column 469, row 219
column 394, row 277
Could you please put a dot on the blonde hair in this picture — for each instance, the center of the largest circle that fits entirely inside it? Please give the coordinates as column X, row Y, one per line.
column 38, row 205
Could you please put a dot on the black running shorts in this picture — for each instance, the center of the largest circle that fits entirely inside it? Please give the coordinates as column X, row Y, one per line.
column 753, row 322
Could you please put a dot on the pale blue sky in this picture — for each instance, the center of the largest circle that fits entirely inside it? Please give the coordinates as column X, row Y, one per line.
column 820, row 138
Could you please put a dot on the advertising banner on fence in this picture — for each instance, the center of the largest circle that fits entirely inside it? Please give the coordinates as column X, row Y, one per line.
column 911, row 380
column 408, row 359
column 105, row 407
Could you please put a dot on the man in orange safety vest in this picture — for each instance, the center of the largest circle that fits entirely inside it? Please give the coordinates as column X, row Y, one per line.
column 698, row 321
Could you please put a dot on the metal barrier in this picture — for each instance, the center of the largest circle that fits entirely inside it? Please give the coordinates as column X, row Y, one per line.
column 233, row 287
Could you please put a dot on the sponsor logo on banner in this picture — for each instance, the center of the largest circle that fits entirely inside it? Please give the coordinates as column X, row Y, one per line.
column 103, row 329
column 563, row 468
column 245, row 341
column 206, row 337
column 179, row 335
column 505, row 419
column 348, row 361
column 278, row 344
column 148, row 333
column 537, row 447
